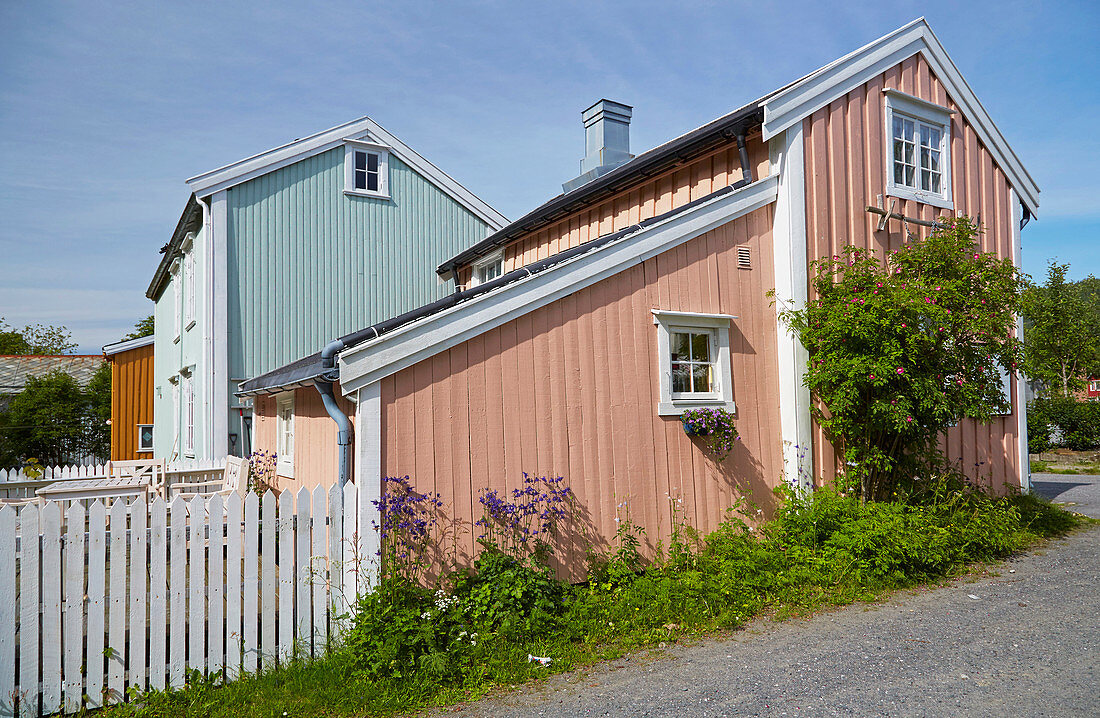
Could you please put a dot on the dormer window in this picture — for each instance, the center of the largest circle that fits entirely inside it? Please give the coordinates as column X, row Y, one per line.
column 366, row 169
column 918, row 134
column 488, row 269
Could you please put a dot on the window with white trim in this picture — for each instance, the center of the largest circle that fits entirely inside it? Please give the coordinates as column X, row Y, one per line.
column 284, row 435
column 693, row 361
column 189, row 290
column 144, row 438
column 918, row 134
column 187, row 389
column 1005, row 408
column 366, row 169
column 1094, row 385
column 177, row 298
column 487, row 269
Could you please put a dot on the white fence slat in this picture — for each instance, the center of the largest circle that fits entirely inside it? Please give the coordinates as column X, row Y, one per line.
column 215, row 587
column 303, row 626
column 269, row 597
column 116, row 617
column 51, row 608
column 196, row 562
column 158, row 593
column 350, row 541
column 319, row 569
column 177, row 593
column 7, row 610
column 139, row 547
column 29, row 609
column 72, row 637
column 234, row 587
column 250, row 586
column 335, row 557
column 286, row 576
column 96, row 603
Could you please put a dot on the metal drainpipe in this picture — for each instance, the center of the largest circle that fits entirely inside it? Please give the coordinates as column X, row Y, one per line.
column 746, row 167
column 328, row 398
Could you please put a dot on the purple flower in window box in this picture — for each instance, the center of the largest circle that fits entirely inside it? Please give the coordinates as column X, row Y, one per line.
column 716, row 425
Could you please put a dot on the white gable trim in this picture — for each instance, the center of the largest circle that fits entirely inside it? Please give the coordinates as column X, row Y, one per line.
column 792, row 104
column 128, row 344
column 366, row 363
column 365, row 129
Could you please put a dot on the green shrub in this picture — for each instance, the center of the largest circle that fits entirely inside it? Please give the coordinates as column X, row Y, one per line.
column 1077, row 422
column 515, row 598
column 401, row 629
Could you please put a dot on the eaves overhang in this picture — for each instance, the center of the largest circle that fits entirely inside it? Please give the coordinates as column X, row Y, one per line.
column 190, row 221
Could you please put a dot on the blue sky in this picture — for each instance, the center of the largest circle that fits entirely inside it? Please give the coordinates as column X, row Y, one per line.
column 105, row 109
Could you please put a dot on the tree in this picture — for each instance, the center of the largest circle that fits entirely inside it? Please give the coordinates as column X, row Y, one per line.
column 1062, row 335
column 35, row 339
column 902, row 348
column 143, row 328
column 97, row 439
column 49, row 421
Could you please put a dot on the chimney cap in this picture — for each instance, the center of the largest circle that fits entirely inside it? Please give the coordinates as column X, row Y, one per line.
column 605, row 107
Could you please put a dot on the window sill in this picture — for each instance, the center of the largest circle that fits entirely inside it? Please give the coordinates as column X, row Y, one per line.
column 144, row 451
column 368, row 195
column 285, row 471
column 917, row 196
column 679, row 406
column 189, row 325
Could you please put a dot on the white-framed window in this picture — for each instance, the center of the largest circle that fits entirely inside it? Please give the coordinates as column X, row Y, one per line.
column 284, row 435
column 487, row 269
column 366, row 169
column 174, row 380
column 187, row 391
column 1094, row 385
column 693, row 361
column 918, row 135
column 177, row 299
column 1006, row 391
column 144, row 438
column 189, row 288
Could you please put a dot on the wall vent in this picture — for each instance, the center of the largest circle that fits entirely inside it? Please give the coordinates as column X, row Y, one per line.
column 744, row 260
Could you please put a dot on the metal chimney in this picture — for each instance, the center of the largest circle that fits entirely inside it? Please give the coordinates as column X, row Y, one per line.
column 606, row 140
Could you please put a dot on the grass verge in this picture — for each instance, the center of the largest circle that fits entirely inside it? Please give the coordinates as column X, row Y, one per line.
column 413, row 648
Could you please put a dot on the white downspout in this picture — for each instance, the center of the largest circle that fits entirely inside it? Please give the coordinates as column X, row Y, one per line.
column 207, row 325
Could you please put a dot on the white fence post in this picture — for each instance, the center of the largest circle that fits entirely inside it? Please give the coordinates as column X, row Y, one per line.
column 7, row 610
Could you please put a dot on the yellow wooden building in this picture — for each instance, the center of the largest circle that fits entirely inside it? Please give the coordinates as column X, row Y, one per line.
column 131, row 398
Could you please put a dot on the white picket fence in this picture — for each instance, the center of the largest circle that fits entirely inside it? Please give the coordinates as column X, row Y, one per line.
column 16, row 484
column 95, row 602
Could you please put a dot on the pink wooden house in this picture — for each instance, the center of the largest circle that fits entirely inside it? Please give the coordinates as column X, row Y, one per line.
column 553, row 355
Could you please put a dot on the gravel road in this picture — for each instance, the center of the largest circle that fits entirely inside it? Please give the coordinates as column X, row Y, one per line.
column 1022, row 643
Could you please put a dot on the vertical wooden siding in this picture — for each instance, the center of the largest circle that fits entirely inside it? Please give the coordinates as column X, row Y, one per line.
column 571, row 390
column 307, row 263
column 655, row 195
column 131, row 400
column 315, row 452
column 846, row 164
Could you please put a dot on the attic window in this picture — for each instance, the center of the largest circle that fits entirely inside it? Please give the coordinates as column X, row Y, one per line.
column 488, row 269
column 744, row 259
column 918, row 134
column 366, row 169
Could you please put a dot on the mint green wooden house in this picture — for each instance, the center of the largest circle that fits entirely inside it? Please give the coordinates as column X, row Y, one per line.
column 279, row 253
